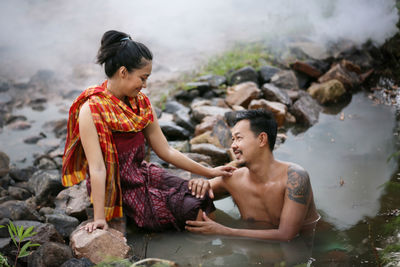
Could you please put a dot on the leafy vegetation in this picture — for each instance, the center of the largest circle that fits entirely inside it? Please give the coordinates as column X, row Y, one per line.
column 18, row 234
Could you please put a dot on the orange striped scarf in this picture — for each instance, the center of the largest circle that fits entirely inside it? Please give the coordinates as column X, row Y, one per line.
column 109, row 114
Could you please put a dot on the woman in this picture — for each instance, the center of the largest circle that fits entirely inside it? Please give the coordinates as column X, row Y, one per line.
column 107, row 129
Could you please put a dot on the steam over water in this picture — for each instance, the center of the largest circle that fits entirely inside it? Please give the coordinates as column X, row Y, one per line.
column 62, row 35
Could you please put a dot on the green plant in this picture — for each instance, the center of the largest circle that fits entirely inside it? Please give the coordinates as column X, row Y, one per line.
column 18, row 234
column 3, row 261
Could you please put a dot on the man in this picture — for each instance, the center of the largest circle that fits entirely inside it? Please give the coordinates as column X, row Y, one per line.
column 266, row 190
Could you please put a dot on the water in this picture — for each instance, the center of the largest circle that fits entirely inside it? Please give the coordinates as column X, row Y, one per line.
column 354, row 150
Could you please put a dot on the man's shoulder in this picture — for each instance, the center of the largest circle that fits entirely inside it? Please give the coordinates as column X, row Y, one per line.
column 298, row 183
column 237, row 174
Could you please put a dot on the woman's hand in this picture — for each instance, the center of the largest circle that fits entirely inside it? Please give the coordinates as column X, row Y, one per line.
column 97, row 224
column 224, row 171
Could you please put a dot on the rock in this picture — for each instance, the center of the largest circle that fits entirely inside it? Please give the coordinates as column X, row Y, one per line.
column 46, row 232
column 273, row 93
column 328, row 92
column 222, row 134
column 306, row 110
column 4, row 164
column 202, row 138
column 33, row 139
column 82, row 262
column 21, row 175
column 199, row 158
column 18, row 193
column 206, row 124
column 350, row 66
column 5, row 98
column 59, row 127
column 19, row 125
column 278, row 109
column 50, row 254
column 96, row 245
column 309, row 50
column 4, row 85
column 173, row 107
column 18, row 210
column 199, row 113
column 187, row 95
column 200, row 102
column 285, row 79
column 245, row 74
column 266, row 72
column 306, row 69
column 45, row 184
column 45, row 163
column 242, row 94
column 360, row 57
column 201, row 87
column 182, row 146
column 173, row 131
column 347, row 78
column 182, row 119
column 74, row 201
column 215, row 81
column 218, row 155
column 63, row 223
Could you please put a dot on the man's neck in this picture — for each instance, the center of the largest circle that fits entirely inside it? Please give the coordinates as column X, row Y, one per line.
column 261, row 169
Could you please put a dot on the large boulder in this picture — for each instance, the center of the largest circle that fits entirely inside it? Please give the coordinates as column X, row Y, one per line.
column 63, row 223
column 99, row 245
column 18, row 210
column 74, row 201
column 306, row 110
column 328, row 92
column 45, row 184
column 50, row 254
column 242, row 94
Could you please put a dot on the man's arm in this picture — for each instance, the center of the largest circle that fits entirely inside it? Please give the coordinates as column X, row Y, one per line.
column 297, row 198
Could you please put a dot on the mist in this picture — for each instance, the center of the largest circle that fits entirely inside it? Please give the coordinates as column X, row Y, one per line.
column 64, row 36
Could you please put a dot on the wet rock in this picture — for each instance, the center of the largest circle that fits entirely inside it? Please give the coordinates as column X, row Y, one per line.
column 96, row 245
column 5, row 98
column 199, row 113
column 285, row 79
column 4, row 164
column 22, row 175
column 306, row 110
column 266, row 72
column 19, row 125
column 73, row 201
column 33, row 139
column 182, row 146
column 218, row 155
column 201, row 87
column 183, row 119
column 245, row 74
column 18, row 193
column 242, row 94
column 222, row 134
column 215, row 81
column 18, row 210
column 4, row 85
column 306, row 69
column 45, row 163
column 348, row 78
column 278, row 109
column 13, row 118
column 46, row 232
column 328, row 92
column 273, row 93
column 200, row 158
column 187, row 95
column 45, row 184
column 173, row 131
column 50, row 254
column 63, row 223
column 83, row 262
column 206, row 124
column 173, row 107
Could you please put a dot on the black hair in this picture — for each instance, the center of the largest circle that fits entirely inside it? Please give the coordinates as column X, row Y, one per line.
column 261, row 120
column 118, row 49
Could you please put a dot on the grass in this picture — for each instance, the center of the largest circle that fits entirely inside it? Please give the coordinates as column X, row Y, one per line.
column 241, row 55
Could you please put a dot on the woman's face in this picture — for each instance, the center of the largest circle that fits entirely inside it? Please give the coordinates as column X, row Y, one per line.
column 134, row 81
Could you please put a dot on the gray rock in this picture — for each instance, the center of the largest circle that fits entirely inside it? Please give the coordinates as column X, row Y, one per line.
column 245, row 74
column 73, row 201
column 222, row 133
column 82, row 262
column 183, row 119
column 201, row 87
column 46, row 232
column 4, row 85
column 50, row 254
column 285, row 79
column 45, row 184
column 306, row 110
column 173, row 131
column 273, row 93
column 4, row 164
column 173, row 107
column 215, row 81
column 18, row 193
column 266, row 72
column 200, row 112
column 64, row 224
column 182, row 146
column 218, row 155
column 33, row 139
column 199, row 158
column 45, row 163
column 18, row 210
column 187, row 95
column 22, row 175
column 5, row 98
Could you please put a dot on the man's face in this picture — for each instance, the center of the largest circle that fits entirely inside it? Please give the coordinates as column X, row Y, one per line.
column 244, row 142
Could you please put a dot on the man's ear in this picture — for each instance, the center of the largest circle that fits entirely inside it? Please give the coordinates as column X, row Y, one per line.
column 263, row 138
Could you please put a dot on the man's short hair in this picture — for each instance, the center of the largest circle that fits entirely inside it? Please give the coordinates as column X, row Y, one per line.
column 261, row 120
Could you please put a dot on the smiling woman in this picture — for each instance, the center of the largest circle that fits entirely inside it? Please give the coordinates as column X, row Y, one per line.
column 105, row 145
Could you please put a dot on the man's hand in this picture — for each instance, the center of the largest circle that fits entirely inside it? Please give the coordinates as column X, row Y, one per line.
column 97, row 224
column 199, row 187
column 222, row 171
column 207, row 227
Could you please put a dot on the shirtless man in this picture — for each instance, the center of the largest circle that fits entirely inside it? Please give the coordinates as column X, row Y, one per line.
column 266, row 190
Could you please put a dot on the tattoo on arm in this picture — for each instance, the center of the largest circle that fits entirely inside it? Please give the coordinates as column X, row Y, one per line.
column 298, row 184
